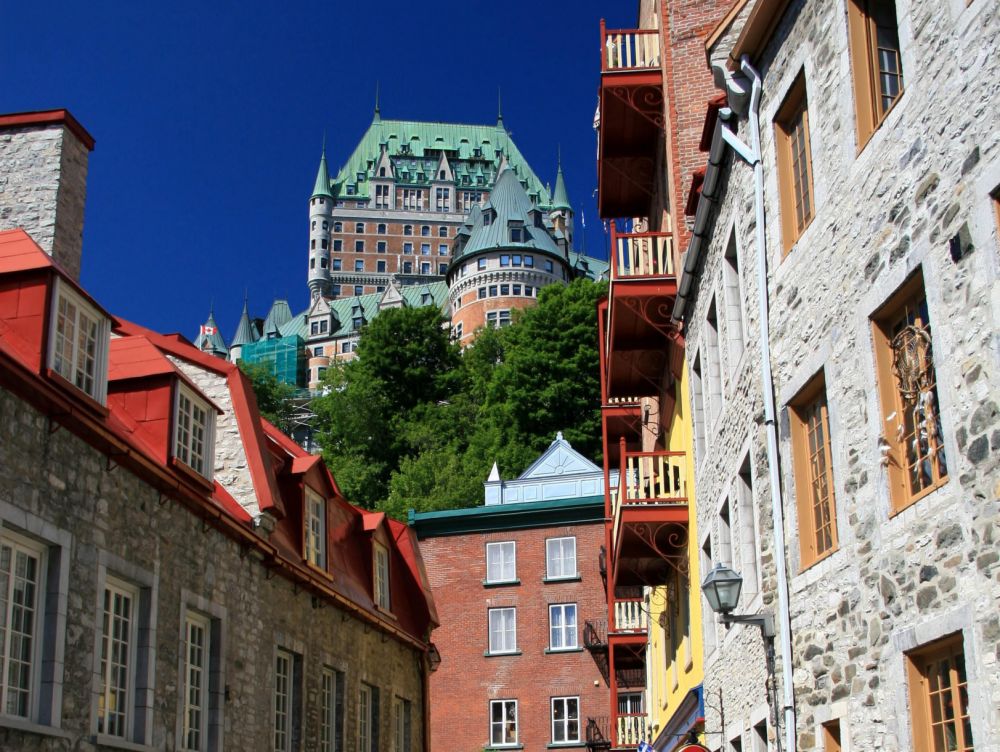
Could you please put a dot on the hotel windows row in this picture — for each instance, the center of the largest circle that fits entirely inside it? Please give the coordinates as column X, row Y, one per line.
column 505, row 291
column 564, row 724
column 425, row 249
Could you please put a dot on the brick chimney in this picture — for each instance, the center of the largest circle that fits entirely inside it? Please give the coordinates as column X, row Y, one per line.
column 43, row 181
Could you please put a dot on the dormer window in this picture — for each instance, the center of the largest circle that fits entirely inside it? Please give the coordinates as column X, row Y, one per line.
column 381, row 576
column 78, row 345
column 194, row 431
column 315, row 532
column 516, row 235
column 487, row 218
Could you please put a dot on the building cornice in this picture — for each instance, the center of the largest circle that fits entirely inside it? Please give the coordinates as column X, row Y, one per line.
column 518, row 516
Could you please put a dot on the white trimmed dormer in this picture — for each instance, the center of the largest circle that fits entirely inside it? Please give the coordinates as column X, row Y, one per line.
column 193, row 441
column 79, row 334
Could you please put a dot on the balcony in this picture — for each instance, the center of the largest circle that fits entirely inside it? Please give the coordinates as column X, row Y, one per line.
column 631, row 118
column 649, row 512
column 639, row 328
column 629, row 730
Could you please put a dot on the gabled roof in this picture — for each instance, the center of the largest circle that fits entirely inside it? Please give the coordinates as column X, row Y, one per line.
column 559, row 459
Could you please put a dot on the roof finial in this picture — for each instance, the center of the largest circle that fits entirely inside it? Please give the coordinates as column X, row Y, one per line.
column 378, row 110
column 499, row 109
column 559, row 156
column 323, row 152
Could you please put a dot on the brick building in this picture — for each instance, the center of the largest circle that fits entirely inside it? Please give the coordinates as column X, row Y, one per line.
column 515, row 581
column 175, row 573
column 839, row 310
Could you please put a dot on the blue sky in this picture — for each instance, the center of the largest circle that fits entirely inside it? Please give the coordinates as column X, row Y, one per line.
column 209, row 118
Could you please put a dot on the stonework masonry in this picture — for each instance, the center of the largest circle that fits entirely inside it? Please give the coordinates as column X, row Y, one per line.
column 916, row 198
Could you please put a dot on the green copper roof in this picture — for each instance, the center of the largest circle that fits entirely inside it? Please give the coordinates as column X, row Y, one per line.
column 497, row 517
column 279, row 314
column 474, row 153
column 245, row 331
column 322, row 187
column 508, row 207
column 588, row 266
column 560, row 199
column 211, row 342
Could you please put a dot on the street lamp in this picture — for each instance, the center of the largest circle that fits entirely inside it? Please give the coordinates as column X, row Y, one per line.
column 721, row 588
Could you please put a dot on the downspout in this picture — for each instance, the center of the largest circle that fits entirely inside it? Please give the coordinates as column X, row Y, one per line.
column 767, row 381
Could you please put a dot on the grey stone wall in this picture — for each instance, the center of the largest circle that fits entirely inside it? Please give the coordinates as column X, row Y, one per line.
column 883, row 211
column 43, row 189
column 111, row 518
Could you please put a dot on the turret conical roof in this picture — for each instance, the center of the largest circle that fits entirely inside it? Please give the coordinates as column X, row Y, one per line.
column 322, row 187
column 245, row 332
column 209, row 339
column 560, row 199
column 279, row 315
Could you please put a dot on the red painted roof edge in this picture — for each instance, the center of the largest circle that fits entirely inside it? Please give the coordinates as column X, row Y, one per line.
column 697, row 178
column 229, row 504
column 371, row 520
column 405, row 538
column 181, row 349
column 252, row 432
column 49, row 117
column 711, row 115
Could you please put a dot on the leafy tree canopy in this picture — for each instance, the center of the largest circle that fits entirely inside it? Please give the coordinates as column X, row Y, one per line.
column 273, row 396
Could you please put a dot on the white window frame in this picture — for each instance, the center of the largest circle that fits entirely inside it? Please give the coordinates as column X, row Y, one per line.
column 329, row 731
column 69, row 367
column 498, row 626
column 283, row 703
column 504, row 741
column 566, row 719
column 367, row 730
column 315, row 532
column 183, row 451
column 502, row 548
column 196, row 679
column 551, row 557
column 402, row 728
column 564, row 632
column 20, row 545
column 115, row 588
column 381, row 576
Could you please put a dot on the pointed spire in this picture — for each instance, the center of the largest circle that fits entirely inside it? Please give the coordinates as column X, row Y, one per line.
column 322, row 187
column 560, row 200
column 245, row 332
column 209, row 339
column 494, row 476
column 499, row 109
column 377, row 117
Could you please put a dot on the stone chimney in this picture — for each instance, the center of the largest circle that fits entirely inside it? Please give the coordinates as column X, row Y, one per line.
column 43, row 181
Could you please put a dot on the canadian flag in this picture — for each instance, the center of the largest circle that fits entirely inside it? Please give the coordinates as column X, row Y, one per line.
column 207, row 329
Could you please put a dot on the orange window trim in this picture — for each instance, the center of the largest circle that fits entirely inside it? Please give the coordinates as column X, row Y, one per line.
column 794, row 156
column 936, row 675
column 865, row 73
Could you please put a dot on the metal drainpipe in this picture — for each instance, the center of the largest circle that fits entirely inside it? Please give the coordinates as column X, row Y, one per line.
column 770, row 423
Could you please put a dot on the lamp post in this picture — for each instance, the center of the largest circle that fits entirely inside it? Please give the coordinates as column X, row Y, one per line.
column 721, row 588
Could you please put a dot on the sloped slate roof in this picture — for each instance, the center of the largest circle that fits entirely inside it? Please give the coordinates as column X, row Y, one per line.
column 246, row 333
column 279, row 315
column 414, row 148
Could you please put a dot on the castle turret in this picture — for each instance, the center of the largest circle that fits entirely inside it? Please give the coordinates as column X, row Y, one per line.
column 246, row 333
column 562, row 213
column 209, row 339
column 320, row 221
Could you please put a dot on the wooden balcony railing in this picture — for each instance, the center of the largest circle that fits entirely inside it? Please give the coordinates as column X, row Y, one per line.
column 629, row 49
column 630, row 617
column 648, row 478
column 642, row 254
column 632, row 728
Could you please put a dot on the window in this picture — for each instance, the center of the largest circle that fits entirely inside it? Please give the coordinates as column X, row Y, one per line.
column 497, row 319
column 335, row 290
column 562, row 626
column 323, row 244
column 315, row 532
column 503, row 630
column 407, row 267
column 795, row 182
column 505, row 290
column 22, row 588
column 358, row 290
column 408, row 248
column 331, row 722
column 368, row 719
column 831, row 736
column 908, row 391
column 709, row 624
column 516, row 259
column 504, row 260
column 713, row 395
column 197, row 650
column 503, row 723
column 381, row 229
column 346, row 347
column 318, row 352
column 733, row 284
column 381, row 576
column 359, row 246
column 442, row 249
column 515, row 234
column 338, row 245
column 456, row 331
column 487, row 218
column 442, row 231
column 380, row 266
column 529, row 291
column 565, row 720
column 425, row 249
column 359, row 265
column 359, row 228
column 481, row 264
column 119, row 653
column 287, row 668
column 548, row 267
column 425, row 230
column 745, row 530
column 939, row 697
column 338, row 227
column 876, row 62
column 194, row 427
column 407, row 229
column 560, row 558
column 442, row 199
column 402, row 725
column 442, row 269
column 501, row 561
column 529, row 261
column 493, row 292
column 381, row 198
column 337, row 264
column 380, row 246
column 815, row 500
column 516, row 289
column 78, row 349
column 724, row 537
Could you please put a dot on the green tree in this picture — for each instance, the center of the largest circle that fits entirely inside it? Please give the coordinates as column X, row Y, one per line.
column 274, row 397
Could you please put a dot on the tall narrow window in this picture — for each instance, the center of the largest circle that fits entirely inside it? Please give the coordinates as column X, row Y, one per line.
column 500, row 561
column 795, row 180
column 315, row 529
column 503, row 630
column 939, row 697
column 283, row 689
column 565, row 720
column 876, row 61
column 503, row 723
column 735, row 334
column 831, row 736
column 402, row 725
column 713, row 367
column 21, row 572
column 562, row 626
column 368, row 701
column 746, row 525
column 907, row 383
column 560, row 558
column 78, row 342
column 709, row 634
column 331, row 721
column 197, row 649
column 724, row 538
column 381, row 576
column 698, row 408
column 817, row 512
column 119, row 628
column 194, row 425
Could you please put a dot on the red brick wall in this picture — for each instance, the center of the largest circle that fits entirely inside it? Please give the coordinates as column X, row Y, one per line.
column 467, row 680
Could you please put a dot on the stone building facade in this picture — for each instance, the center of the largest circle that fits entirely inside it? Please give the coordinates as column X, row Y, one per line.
column 878, row 254
column 517, row 582
column 178, row 574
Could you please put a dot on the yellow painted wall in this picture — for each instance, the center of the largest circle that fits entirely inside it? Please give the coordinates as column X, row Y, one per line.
column 672, row 673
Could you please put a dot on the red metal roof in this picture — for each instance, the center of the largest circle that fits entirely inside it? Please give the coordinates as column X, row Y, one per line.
column 48, row 117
